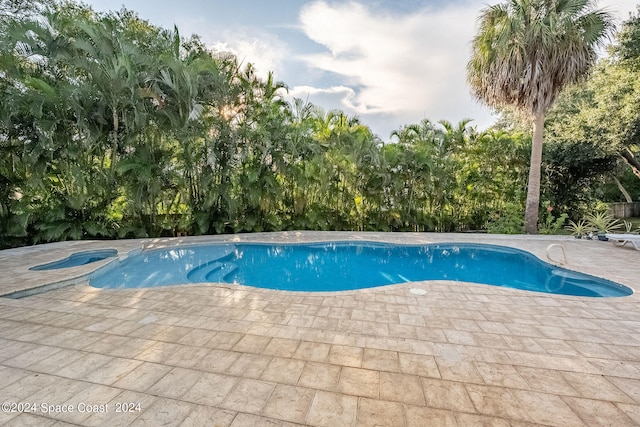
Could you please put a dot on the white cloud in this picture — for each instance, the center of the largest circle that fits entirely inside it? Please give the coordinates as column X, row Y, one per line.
column 338, row 96
column 265, row 51
column 402, row 65
column 399, row 69
column 303, row 91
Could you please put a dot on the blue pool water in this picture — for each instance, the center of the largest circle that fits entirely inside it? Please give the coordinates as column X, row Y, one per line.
column 78, row 259
column 342, row 266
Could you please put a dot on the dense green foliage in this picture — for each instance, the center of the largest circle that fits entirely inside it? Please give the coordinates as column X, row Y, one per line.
column 115, row 128
column 111, row 127
column 594, row 131
column 524, row 54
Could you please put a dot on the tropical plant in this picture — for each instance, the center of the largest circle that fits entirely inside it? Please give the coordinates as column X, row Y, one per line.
column 578, row 229
column 603, row 222
column 113, row 127
column 525, row 53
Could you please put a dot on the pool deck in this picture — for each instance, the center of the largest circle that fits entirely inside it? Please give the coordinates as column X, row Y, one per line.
column 433, row 353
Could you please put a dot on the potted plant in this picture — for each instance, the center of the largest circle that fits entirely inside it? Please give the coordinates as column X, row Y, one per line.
column 603, row 223
column 578, row 229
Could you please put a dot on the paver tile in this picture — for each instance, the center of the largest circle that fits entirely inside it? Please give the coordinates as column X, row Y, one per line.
column 119, row 346
column 83, row 366
column 501, row 375
column 281, row 347
column 164, row 412
column 72, row 338
column 289, row 403
column 419, row 416
column 186, row 356
column 175, row 383
column 217, row 360
column 596, row 412
column 418, row 364
column 210, row 389
column 382, row 360
column 142, row 377
column 615, row 368
column 402, row 331
column 332, row 410
column 9, row 375
column 446, row 395
column 320, row 376
column 359, row 382
column 249, row 420
column 632, row 411
column 522, row 405
column 596, row 387
column 344, row 355
column 546, row 380
column 30, row 357
column 474, row 420
column 197, row 337
column 458, row 369
column 159, row 352
column 248, row 396
column 373, row 412
column 283, row 371
column 10, row 349
column 312, row 352
column 112, row 371
column 630, row 386
column 401, row 388
column 251, row 344
column 249, row 365
column 207, row 416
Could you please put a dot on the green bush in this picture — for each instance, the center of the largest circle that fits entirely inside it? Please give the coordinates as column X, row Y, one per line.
column 551, row 224
column 509, row 221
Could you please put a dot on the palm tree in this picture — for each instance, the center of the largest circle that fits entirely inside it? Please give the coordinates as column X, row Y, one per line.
column 525, row 53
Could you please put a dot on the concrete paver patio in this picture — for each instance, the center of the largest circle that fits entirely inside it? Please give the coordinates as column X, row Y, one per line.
column 227, row 355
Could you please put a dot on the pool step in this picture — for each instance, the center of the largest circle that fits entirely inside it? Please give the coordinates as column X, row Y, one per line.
column 219, row 274
column 213, row 271
column 199, row 274
column 215, row 261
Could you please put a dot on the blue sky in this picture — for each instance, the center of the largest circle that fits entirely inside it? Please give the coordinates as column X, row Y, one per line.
column 390, row 62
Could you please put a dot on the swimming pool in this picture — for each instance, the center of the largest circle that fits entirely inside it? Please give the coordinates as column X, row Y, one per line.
column 77, row 259
column 339, row 266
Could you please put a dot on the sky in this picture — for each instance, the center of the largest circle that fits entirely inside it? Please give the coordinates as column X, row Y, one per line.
column 391, row 63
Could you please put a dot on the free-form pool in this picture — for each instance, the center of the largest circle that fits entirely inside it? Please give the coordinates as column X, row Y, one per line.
column 78, row 259
column 339, row 266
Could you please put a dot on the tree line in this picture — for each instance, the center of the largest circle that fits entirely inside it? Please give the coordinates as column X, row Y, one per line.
column 111, row 127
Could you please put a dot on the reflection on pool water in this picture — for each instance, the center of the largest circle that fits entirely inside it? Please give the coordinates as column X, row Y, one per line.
column 339, row 266
column 78, row 259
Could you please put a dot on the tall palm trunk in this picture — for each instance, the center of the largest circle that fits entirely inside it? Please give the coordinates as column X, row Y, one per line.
column 533, row 189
